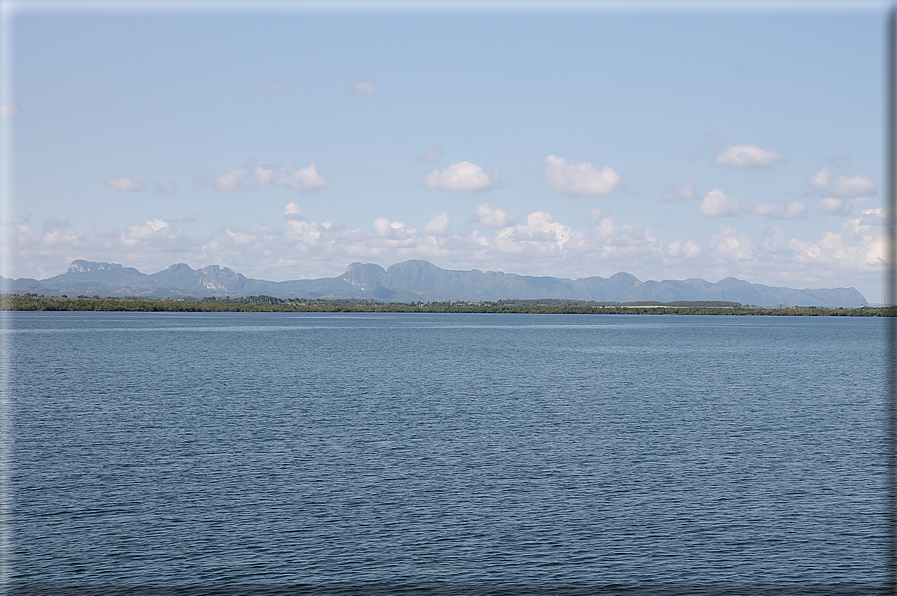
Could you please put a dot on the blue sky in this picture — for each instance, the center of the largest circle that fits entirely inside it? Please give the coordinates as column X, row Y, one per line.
column 288, row 141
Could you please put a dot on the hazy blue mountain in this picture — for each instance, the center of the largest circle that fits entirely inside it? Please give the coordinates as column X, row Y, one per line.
column 23, row 285
column 413, row 281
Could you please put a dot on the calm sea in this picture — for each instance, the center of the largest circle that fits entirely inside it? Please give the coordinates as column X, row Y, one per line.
column 274, row 453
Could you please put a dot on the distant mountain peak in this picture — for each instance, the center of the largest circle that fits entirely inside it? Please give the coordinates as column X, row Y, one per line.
column 82, row 266
column 419, row 280
column 179, row 267
column 364, row 276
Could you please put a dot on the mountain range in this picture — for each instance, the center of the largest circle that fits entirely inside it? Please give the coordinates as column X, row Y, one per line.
column 413, row 281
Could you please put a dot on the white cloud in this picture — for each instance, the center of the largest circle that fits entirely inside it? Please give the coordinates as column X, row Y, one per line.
column 302, row 180
column 459, row 177
column 834, row 206
column 841, row 195
column 775, row 211
column 364, row 87
column 852, row 188
column 860, row 246
column 432, row 154
column 579, row 179
column 540, row 231
column 820, row 179
column 134, row 233
column 264, row 174
column 843, row 187
column 541, row 222
column 717, row 204
column 603, row 226
column 394, row 233
column 230, row 181
column 872, row 217
column 747, row 156
column 493, row 218
column 292, row 211
column 8, row 111
column 684, row 249
column 681, row 193
column 124, row 184
column 439, row 226
column 732, row 245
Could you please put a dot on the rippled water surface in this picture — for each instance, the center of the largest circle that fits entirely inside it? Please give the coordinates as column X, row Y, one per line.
column 464, row 453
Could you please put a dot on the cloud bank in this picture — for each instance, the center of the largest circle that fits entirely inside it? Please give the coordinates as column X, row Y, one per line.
column 541, row 245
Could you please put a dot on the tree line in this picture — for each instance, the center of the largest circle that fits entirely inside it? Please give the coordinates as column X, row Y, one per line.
column 263, row 303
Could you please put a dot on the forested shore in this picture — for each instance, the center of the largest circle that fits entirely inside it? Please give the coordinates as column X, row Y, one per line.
column 547, row 306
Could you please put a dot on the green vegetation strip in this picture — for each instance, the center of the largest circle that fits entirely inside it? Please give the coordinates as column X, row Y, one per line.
column 272, row 304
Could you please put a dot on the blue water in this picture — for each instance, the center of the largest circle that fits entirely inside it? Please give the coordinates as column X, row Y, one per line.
column 394, row 453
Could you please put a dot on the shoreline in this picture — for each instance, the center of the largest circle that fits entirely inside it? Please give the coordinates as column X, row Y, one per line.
column 546, row 306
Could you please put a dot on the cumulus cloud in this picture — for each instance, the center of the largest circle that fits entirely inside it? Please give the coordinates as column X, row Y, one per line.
column 264, row 174
column 124, row 184
column 681, row 193
column 459, row 177
column 439, row 226
column 490, row 217
column 539, row 229
column 747, row 156
column 364, row 87
column 679, row 249
column 231, row 181
column 872, row 217
column 843, row 187
column 432, row 154
column 716, row 203
column 860, row 245
column 834, row 206
column 394, row 233
column 602, row 225
column 292, row 211
column 731, row 244
column 579, row 179
column 8, row 111
column 134, row 233
column 820, row 179
column 775, row 211
column 302, row 180
column 841, row 195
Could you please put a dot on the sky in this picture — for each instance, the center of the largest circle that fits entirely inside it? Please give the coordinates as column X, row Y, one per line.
column 286, row 141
